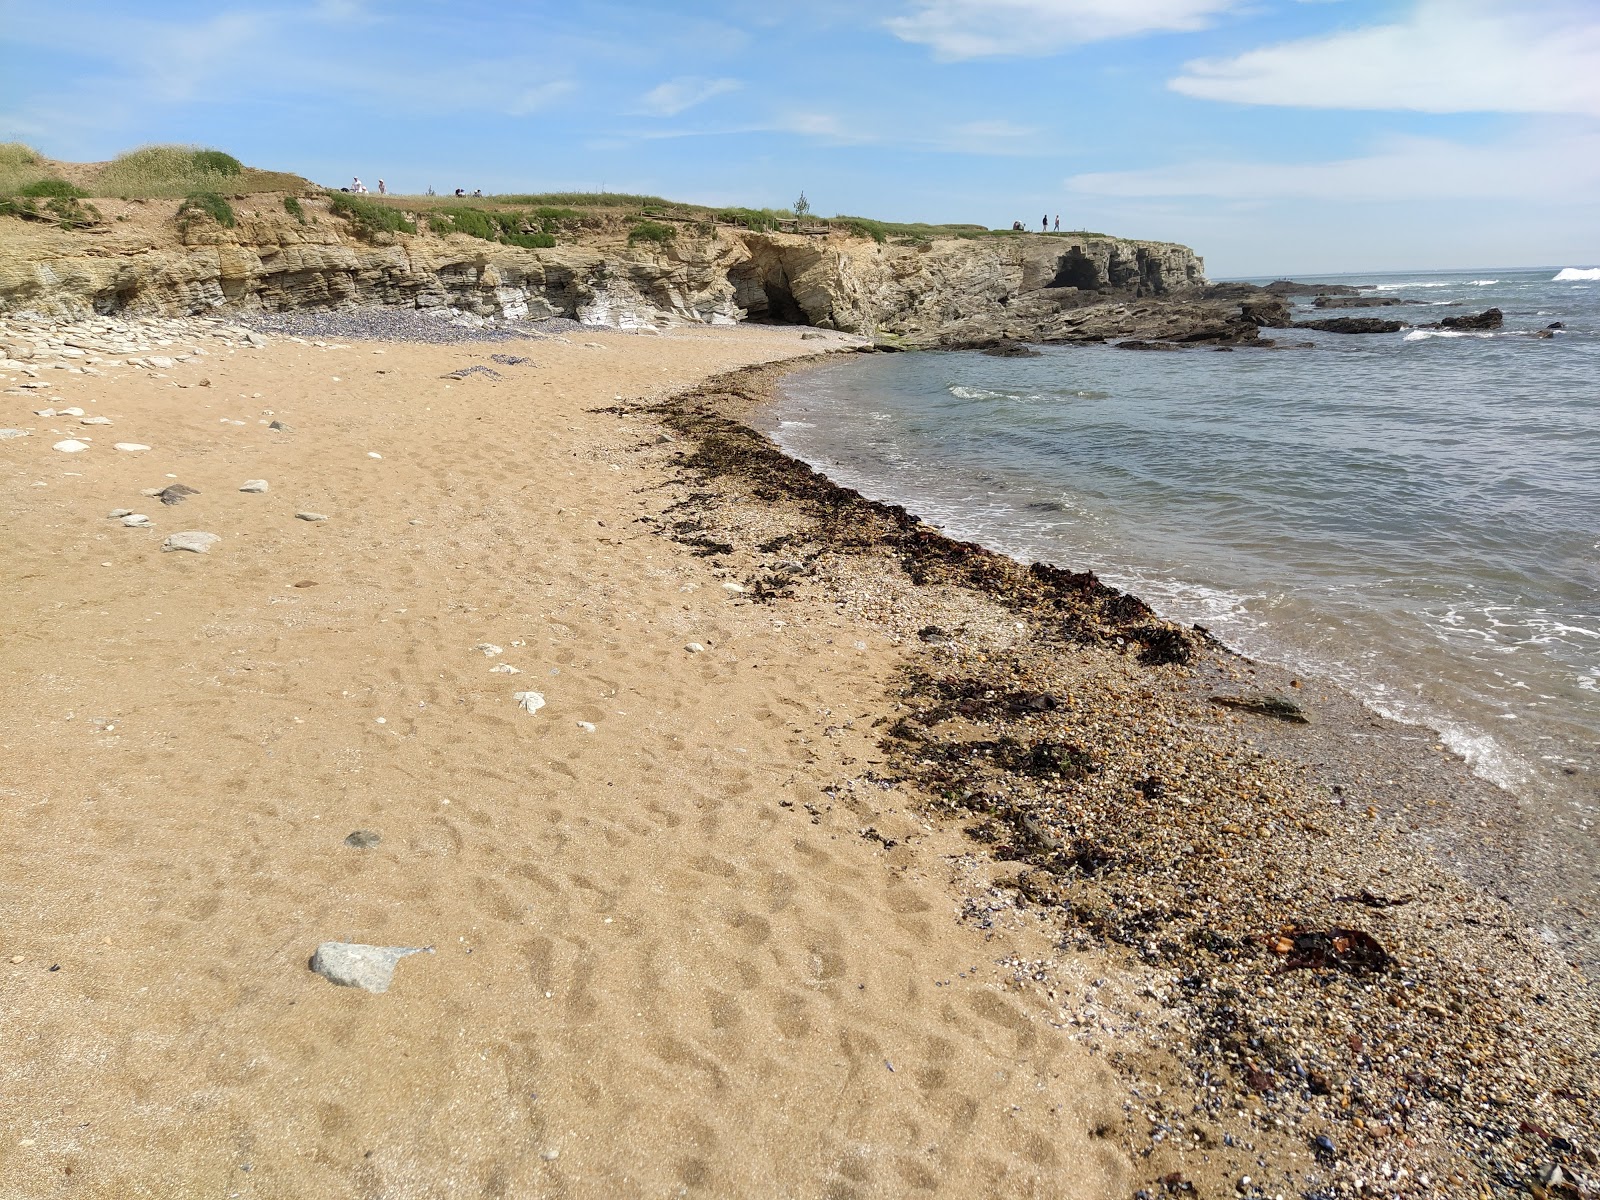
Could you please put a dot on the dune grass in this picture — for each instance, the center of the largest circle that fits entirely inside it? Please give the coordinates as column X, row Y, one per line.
column 20, row 166
column 368, row 218
column 155, row 172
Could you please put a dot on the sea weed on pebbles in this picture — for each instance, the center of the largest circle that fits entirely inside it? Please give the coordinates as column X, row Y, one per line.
column 1303, row 1003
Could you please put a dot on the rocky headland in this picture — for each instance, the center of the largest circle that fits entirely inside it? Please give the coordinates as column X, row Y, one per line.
column 143, row 260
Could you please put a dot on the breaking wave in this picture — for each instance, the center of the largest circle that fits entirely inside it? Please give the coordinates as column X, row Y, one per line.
column 1569, row 274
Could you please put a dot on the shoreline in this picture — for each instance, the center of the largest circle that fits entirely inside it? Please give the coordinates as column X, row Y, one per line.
column 841, row 856
column 1364, row 766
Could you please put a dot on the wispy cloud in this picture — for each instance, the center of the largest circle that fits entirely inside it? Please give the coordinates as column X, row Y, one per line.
column 677, row 95
column 1447, row 56
column 956, row 29
column 1556, row 165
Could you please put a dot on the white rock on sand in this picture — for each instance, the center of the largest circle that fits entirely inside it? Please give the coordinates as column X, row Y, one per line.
column 528, row 701
column 70, row 446
column 253, row 485
column 130, row 446
column 140, row 521
column 310, row 516
column 192, row 540
column 351, row 964
column 7, row 434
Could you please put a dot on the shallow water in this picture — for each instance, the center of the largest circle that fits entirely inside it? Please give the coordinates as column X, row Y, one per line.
column 1414, row 516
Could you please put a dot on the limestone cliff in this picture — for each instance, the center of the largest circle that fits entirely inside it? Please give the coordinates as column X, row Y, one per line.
column 1026, row 286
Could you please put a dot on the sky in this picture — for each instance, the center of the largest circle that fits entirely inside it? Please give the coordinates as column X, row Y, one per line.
column 1274, row 136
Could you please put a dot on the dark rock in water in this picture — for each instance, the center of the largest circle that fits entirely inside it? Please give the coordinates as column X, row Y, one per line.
column 1351, row 325
column 1136, row 344
column 1267, row 706
column 1266, row 311
column 175, row 493
column 1009, row 349
column 1355, row 302
column 1545, row 333
column 1288, row 287
column 1556, row 325
column 1491, row 318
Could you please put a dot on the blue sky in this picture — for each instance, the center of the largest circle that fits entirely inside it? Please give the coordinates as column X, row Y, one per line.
column 1274, row 136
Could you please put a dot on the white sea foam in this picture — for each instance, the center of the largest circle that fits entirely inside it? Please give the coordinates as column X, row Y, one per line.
column 1567, row 274
column 971, row 393
column 1400, row 287
column 1482, row 282
column 1422, row 335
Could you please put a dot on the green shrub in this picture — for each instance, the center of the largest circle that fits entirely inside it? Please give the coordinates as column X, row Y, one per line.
column 58, row 189
column 217, row 162
column 864, row 227
column 651, row 231
column 757, row 219
column 206, row 204
column 529, row 241
column 368, row 219
column 505, row 228
column 292, row 206
column 547, row 213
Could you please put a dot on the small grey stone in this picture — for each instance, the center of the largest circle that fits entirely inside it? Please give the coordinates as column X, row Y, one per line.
column 159, row 361
column 120, row 512
column 310, row 516
column 694, row 648
column 140, row 521
column 363, row 839
column 193, row 540
column 351, row 964
column 279, row 426
column 12, row 433
column 254, row 485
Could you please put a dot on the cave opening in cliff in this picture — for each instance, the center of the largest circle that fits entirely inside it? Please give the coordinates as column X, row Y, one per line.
column 762, row 290
column 1077, row 269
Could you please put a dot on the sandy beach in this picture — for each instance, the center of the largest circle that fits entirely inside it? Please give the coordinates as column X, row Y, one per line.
column 825, row 858
column 653, row 972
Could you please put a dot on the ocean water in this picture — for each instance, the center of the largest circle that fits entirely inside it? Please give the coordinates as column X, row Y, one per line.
column 1413, row 516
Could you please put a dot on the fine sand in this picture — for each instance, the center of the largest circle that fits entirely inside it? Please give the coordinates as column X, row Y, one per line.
column 663, row 964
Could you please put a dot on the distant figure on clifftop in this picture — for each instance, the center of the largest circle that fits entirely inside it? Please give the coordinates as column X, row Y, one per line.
column 477, row 191
column 357, row 185
column 1016, row 226
column 1044, row 223
column 461, row 191
column 383, row 189
column 1058, row 215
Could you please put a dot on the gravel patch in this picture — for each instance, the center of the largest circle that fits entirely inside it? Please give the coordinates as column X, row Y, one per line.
column 435, row 327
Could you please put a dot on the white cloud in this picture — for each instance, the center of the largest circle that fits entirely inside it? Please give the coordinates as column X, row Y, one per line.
column 684, row 92
column 1556, row 166
column 1446, row 56
column 990, row 28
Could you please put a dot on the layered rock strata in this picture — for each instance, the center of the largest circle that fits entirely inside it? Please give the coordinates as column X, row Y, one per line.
column 955, row 291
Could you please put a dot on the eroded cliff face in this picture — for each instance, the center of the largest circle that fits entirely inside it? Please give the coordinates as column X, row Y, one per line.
column 918, row 293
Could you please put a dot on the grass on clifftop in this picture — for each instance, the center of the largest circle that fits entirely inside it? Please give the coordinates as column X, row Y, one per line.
column 154, row 172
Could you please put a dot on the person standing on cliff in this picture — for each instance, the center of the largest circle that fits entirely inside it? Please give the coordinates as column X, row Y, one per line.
column 383, row 190
column 1058, row 215
column 1044, row 223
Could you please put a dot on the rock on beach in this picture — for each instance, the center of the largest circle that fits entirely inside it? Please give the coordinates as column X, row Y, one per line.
column 352, row 964
column 193, row 540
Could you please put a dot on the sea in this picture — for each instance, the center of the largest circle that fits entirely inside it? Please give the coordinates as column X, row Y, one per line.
column 1414, row 517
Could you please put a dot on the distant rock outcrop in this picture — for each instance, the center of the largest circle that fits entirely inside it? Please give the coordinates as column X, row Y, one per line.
column 1491, row 318
column 1352, row 325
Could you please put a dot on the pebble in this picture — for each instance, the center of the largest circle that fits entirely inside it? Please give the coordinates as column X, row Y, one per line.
column 69, row 412
column 352, row 964
column 528, row 701
column 504, row 669
column 363, row 839
column 140, row 521
column 254, row 485
column 70, row 446
column 132, row 447
column 489, row 649
column 192, row 540
column 120, row 512
column 695, row 648
column 7, row 434
column 373, row 454
column 160, row 361
column 94, row 420
column 586, row 726
column 309, row 516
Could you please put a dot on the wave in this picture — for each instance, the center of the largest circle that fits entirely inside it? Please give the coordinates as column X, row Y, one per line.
column 1567, row 274
column 972, row 393
column 1422, row 335
column 1400, row 287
